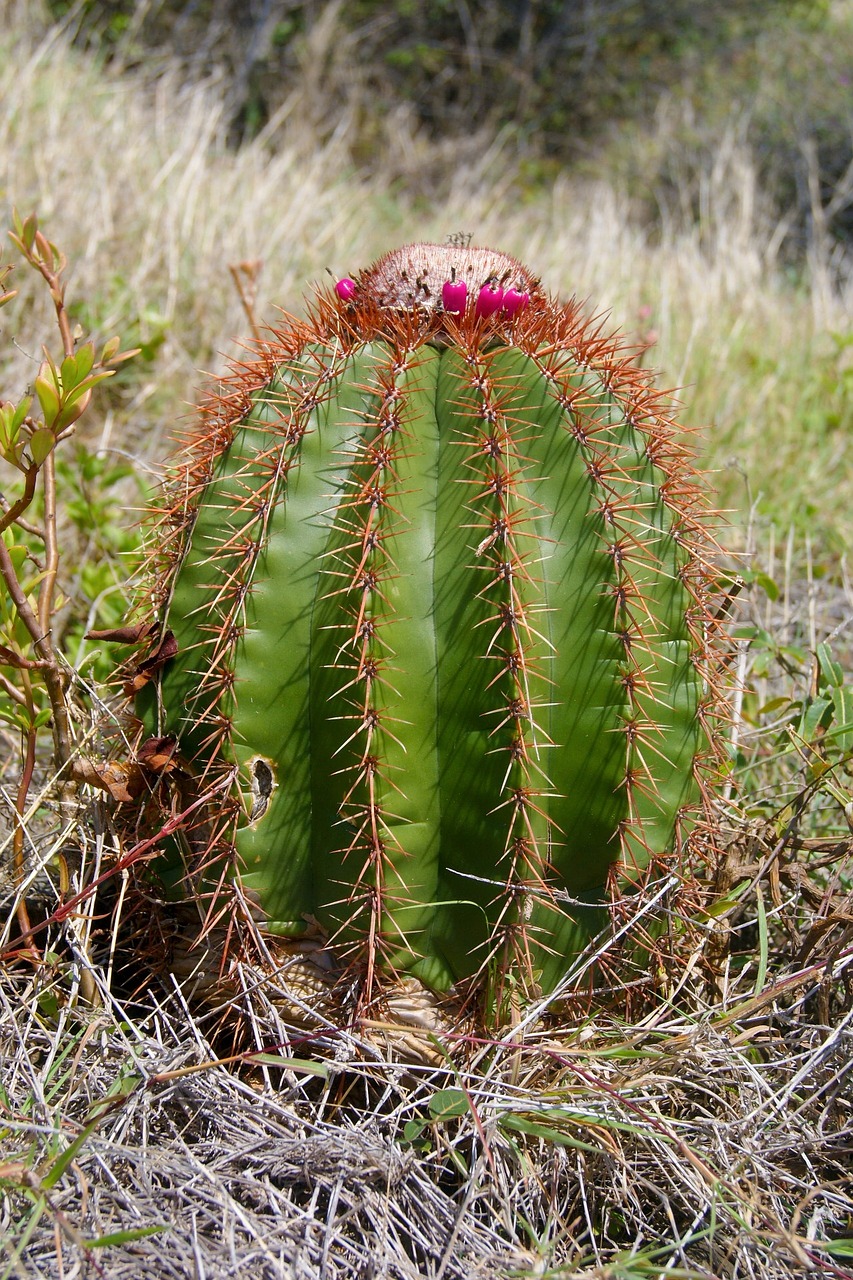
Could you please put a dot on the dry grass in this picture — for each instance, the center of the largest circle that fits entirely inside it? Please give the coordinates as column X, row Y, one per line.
column 133, row 177
column 709, row 1139
column 713, row 1137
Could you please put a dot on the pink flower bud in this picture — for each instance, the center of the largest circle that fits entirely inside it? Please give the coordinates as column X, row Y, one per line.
column 454, row 295
column 514, row 302
column 489, row 299
column 345, row 289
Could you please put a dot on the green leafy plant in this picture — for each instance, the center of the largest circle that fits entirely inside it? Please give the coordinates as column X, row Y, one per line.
column 33, row 671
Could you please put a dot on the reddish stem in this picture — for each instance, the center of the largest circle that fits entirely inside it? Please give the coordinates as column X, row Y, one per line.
column 24, row 784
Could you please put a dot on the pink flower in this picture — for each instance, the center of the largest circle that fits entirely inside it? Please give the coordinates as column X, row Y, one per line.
column 489, row 299
column 514, row 302
column 345, row 289
column 454, row 295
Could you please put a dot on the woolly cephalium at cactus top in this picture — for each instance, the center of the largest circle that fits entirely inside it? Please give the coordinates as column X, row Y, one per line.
column 431, row 588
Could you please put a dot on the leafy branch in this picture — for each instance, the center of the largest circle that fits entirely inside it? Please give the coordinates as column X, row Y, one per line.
column 34, row 681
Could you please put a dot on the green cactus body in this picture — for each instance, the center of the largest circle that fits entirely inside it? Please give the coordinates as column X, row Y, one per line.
column 436, row 583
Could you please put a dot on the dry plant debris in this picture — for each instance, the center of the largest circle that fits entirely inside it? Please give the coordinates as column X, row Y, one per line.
column 707, row 1140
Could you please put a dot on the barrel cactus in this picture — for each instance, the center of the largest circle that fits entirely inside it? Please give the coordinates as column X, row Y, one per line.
column 432, row 610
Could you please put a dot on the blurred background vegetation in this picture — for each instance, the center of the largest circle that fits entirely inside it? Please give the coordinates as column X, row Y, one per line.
column 646, row 89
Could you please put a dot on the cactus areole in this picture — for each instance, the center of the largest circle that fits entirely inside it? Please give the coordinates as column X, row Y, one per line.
column 434, row 565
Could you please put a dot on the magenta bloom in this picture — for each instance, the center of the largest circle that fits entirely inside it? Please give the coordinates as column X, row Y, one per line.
column 454, row 295
column 489, row 300
column 514, row 302
column 345, row 289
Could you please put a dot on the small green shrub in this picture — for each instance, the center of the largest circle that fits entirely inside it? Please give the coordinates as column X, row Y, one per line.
column 35, row 528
